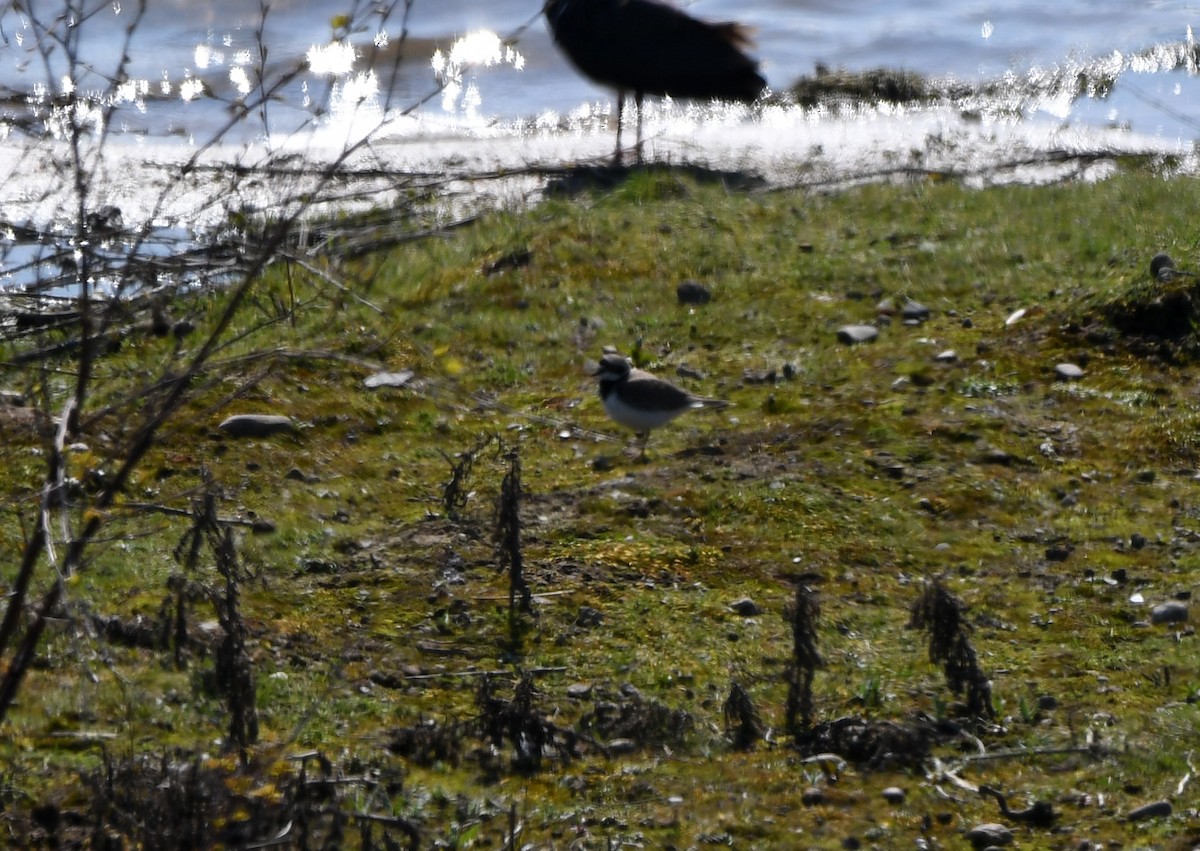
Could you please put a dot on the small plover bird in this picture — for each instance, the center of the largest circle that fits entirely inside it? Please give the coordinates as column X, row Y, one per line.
column 640, row 401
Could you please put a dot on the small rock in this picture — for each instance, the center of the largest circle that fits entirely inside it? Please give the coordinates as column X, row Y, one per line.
column 812, row 796
column 1046, row 702
column 1162, row 267
column 1137, row 541
column 388, row 379
column 1058, row 552
column 1068, row 372
column 621, row 746
column 630, row 691
column 886, row 307
column 1171, row 611
column 579, row 691
column 996, row 456
column 589, row 617
column 853, row 334
column 948, row 356
column 256, row 425
column 985, row 835
column 746, row 607
column 758, row 376
column 893, row 795
column 693, row 292
column 914, row 311
column 1157, row 809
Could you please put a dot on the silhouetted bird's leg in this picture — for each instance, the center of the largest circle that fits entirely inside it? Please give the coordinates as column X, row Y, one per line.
column 637, row 99
column 620, row 112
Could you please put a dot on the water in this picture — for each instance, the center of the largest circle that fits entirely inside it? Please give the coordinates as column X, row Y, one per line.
column 181, row 39
column 499, row 106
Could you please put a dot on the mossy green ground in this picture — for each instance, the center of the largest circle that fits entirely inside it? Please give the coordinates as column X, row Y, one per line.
column 869, row 469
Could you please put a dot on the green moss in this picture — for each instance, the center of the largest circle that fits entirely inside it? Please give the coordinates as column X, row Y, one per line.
column 865, row 470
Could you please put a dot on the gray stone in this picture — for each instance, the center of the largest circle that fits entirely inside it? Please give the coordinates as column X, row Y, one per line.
column 621, row 746
column 1157, row 809
column 256, row 425
column 914, row 311
column 1068, row 372
column 852, row 334
column 993, row 455
column 746, row 607
column 948, row 356
column 579, row 691
column 893, row 795
column 1171, row 611
column 693, row 292
column 1162, row 267
column 589, row 617
column 985, row 835
column 812, row 796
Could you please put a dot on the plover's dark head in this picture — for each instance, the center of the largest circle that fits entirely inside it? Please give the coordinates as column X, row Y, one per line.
column 612, row 368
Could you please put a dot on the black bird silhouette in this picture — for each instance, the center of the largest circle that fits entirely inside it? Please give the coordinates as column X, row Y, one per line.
column 650, row 47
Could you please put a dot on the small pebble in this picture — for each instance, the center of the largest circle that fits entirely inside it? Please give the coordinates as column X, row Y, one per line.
column 893, row 795
column 746, row 607
column 812, row 796
column 579, row 691
column 986, row 835
column 621, row 746
column 997, row 456
column 852, row 334
column 1157, row 809
column 1046, row 702
column 388, row 379
column 948, row 356
column 1162, row 267
column 914, row 311
column 588, row 617
column 693, row 292
column 1068, row 372
column 256, row 425
column 1171, row 611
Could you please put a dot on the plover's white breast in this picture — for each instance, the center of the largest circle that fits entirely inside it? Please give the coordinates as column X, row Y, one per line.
column 642, row 419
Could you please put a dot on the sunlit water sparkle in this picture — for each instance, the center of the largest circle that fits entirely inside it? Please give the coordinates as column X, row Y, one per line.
column 480, row 88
